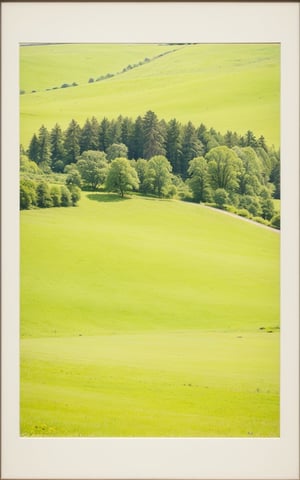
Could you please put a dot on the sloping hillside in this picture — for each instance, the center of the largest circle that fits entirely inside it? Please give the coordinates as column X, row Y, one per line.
column 228, row 87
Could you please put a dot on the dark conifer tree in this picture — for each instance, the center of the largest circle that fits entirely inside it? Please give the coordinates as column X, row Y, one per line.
column 89, row 139
column 127, row 127
column 115, row 131
column 173, row 145
column 104, row 134
column 57, row 145
column 136, row 146
column 33, row 150
column 72, row 142
column 154, row 143
column 44, row 152
column 191, row 147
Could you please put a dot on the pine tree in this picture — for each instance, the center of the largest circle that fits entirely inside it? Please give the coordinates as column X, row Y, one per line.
column 57, row 147
column 136, row 146
column 72, row 142
column 104, row 134
column 153, row 136
column 89, row 139
column 33, row 150
column 44, row 151
column 173, row 145
column 191, row 147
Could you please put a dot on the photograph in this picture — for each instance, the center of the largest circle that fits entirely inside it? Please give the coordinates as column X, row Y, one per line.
column 149, row 236
column 150, row 240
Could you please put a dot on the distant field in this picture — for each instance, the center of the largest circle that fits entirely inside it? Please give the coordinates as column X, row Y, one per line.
column 148, row 317
column 228, row 87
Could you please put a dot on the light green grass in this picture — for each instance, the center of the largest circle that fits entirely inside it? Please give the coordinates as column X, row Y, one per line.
column 143, row 317
column 228, row 87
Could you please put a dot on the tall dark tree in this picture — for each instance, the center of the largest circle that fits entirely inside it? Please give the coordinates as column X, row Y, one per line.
column 115, row 131
column 191, row 147
column 173, row 145
column 72, row 142
column 153, row 136
column 44, row 153
column 57, row 146
column 89, row 139
column 136, row 147
column 104, row 134
column 126, row 133
column 33, row 150
column 249, row 140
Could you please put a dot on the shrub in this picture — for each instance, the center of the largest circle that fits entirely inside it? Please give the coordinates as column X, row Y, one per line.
column 221, row 197
column 66, row 199
column 55, row 193
column 75, row 194
column 230, row 209
column 275, row 221
column 91, row 80
column 261, row 220
column 242, row 212
column 27, row 194
column 44, row 199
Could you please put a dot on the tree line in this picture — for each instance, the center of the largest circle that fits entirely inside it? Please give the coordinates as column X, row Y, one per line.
column 166, row 158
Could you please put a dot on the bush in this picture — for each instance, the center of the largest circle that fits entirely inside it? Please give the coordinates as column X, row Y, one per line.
column 66, row 199
column 75, row 194
column 55, row 193
column 275, row 221
column 27, row 194
column 242, row 212
column 44, row 199
column 221, row 197
column 230, row 209
column 261, row 220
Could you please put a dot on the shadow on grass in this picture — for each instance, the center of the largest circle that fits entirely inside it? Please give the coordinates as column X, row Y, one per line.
column 106, row 197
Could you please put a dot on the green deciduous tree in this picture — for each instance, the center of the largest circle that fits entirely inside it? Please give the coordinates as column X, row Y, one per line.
column 117, row 150
column 199, row 181
column 122, row 177
column 221, row 197
column 93, row 168
column 158, row 176
column 250, row 172
column 223, row 167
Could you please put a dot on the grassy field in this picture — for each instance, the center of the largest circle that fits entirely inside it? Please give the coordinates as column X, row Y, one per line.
column 144, row 317
column 228, row 87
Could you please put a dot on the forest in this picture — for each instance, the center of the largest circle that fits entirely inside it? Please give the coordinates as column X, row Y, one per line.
column 239, row 173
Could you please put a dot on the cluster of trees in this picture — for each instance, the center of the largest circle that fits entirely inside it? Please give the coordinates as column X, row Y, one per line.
column 164, row 159
column 37, row 190
column 145, row 137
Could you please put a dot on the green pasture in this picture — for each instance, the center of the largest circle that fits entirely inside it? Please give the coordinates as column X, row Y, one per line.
column 227, row 87
column 145, row 317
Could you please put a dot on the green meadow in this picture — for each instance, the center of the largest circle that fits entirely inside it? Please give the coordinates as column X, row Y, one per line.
column 147, row 317
column 227, row 86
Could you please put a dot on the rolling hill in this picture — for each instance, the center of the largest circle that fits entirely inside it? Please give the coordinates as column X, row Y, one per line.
column 227, row 86
column 146, row 317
